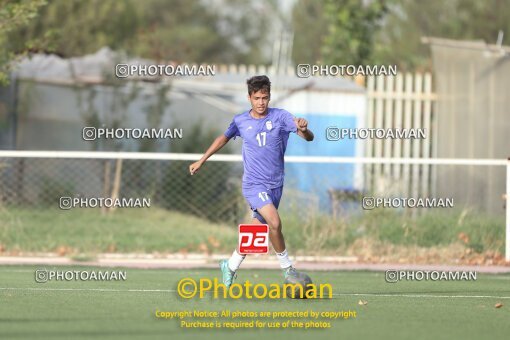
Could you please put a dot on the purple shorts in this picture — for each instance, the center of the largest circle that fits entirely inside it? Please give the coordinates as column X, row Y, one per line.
column 259, row 196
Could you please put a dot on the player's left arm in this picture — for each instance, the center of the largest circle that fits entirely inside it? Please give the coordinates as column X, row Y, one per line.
column 302, row 129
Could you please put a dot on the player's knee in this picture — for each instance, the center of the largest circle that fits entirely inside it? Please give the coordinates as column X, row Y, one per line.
column 275, row 224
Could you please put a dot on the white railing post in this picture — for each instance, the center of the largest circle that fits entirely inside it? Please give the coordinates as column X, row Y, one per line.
column 507, row 206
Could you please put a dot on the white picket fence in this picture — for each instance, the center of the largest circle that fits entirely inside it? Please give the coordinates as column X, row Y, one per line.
column 404, row 101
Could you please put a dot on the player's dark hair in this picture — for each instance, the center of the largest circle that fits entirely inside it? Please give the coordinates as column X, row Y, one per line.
column 258, row 83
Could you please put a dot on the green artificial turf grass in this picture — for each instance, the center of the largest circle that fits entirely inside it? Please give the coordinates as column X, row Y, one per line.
column 126, row 309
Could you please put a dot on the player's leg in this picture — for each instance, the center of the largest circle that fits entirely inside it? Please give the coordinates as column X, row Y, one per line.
column 255, row 220
column 269, row 214
column 230, row 266
column 228, row 275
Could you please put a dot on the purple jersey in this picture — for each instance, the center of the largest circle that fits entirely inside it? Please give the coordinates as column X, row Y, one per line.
column 264, row 144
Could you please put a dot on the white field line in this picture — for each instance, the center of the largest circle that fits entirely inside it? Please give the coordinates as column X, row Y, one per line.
column 423, row 295
column 486, row 276
column 419, row 296
column 90, row 289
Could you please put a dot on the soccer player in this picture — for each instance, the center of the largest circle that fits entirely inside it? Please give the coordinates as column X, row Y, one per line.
column 265, row 132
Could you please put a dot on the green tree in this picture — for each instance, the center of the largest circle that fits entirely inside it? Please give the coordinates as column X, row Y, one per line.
column 179, row 30
column 352, row 25
column 310, row 28
column 399, row 40
column 14, row 15
column 80, row 27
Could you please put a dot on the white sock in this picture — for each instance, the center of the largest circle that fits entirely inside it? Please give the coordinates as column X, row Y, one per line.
column 235, row 261
column 283, row 257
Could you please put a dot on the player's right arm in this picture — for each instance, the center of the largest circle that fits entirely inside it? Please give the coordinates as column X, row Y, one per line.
column 218, row 143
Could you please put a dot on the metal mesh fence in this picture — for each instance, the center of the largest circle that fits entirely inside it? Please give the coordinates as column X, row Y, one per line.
column 215, row 194
column 322, row 212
